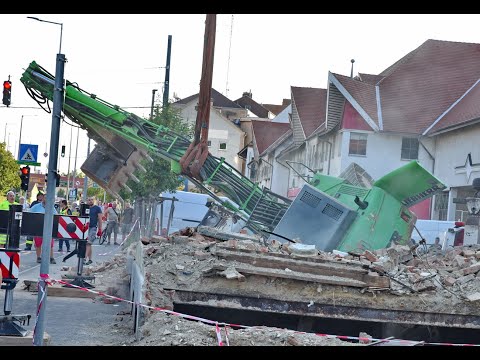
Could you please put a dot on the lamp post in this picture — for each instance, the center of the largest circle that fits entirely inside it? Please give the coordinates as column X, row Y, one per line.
column 20, row 135
column 51, row 177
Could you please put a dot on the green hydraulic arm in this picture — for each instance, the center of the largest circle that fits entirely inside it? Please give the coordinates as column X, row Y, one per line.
column 106, row 124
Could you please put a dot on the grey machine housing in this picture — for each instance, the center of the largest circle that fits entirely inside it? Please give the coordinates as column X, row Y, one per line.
column 315, row 218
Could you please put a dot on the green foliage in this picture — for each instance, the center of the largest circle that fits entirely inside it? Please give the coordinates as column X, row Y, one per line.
column 158, row 177
column 61, row 193
column 9, row 176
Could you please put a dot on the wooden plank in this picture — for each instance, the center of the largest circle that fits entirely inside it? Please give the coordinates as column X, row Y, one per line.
column 295, row 275
column 60, row 291
column 26, row 340
column 307, row 267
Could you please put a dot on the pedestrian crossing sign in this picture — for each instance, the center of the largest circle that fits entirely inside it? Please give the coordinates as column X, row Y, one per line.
column 28, row 154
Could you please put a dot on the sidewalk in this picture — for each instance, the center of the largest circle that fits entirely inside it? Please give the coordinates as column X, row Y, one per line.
column 70, row 321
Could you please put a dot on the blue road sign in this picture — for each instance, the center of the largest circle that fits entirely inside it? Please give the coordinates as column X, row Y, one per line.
column 28, row 153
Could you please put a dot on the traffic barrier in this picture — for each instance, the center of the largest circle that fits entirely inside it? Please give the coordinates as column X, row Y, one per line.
column 72, row 227
column 5, row 258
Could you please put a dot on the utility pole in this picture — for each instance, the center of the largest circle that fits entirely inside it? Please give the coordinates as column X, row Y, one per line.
column 58, row 94
column 167, row 73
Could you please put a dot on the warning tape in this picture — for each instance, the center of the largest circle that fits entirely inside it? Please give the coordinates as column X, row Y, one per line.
column 225, row 325
column 41, row 285
column 219, row 335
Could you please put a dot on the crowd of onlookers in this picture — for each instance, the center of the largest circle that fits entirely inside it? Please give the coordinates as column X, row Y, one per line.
column 109, row 218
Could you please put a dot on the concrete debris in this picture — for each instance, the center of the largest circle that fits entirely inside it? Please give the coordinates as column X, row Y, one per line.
column 231, row 273
column 191, row 261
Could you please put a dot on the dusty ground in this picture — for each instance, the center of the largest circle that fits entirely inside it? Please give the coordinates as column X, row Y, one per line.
column 445, row 279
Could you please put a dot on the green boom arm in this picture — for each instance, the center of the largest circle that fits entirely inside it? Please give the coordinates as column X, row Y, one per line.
column 102, row 120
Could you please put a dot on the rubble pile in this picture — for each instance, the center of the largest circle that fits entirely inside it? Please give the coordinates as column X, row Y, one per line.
column 190, row 258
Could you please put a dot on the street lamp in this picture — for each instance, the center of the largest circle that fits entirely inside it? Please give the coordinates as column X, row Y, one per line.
column 20, row 136
column 51, row 184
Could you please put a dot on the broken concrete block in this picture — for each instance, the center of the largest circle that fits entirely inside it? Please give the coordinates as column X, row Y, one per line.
column 179, row 239
column 474, row 297
column 449, row 281
column 464, row 279
column 468, row 253
column 303, row 250
column 232, row 273
column 472, row 269
column 158, row 239
column 460, row 261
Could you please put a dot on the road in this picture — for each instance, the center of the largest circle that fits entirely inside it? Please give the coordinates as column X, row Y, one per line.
column 68, row 321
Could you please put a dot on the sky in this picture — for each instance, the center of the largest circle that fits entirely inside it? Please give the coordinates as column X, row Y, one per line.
column 121, row 58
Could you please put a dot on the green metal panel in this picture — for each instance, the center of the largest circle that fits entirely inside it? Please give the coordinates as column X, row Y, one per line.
column 385, row 220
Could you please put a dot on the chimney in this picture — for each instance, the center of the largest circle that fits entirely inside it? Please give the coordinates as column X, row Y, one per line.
column 249, row 94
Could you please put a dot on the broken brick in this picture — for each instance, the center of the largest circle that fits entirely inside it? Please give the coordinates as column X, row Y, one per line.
column 370, row 256
column 471, row 269
column 449, row 281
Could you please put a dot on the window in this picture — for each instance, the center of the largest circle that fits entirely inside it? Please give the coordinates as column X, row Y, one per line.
column 409, row 149
column 209, row 142
column 441, row 205
column 358, row 144
column 223, row 146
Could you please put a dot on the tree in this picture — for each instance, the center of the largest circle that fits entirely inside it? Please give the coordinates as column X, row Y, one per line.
column 159, row 176
column 9, row 177
column 61, row 193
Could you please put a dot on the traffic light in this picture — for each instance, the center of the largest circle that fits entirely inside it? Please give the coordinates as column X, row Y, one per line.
column 24, row 177
column 7, row 92
column 62, row 154
column 57, row 179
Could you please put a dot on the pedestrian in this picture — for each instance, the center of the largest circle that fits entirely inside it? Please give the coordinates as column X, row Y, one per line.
column 75, row 210
column 436, row 247
column 127, row 219
column 112, row 223
column 64, row 210
column 40, row 197
column 5, row 205
column 24, row 204
column 94, row 227
column 40, row 208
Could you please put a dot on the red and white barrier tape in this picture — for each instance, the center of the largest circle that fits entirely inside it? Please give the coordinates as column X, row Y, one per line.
column 219, row 335
column 225, row 325
column 42, row 283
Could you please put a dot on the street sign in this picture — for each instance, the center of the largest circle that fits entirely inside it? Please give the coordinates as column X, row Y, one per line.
column 28, row 154
column 73, row 194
